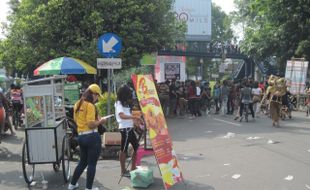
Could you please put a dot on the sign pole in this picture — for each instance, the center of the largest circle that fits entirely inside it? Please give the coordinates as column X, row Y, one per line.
column 109, row 97
column 109, row 46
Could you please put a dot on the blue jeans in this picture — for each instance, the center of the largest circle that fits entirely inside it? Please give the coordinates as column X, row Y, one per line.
column 90, row 148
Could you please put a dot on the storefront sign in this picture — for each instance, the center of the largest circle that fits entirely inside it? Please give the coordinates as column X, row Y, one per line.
column 158, row 131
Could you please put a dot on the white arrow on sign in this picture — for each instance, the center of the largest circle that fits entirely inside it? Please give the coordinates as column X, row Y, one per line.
column 108, row 46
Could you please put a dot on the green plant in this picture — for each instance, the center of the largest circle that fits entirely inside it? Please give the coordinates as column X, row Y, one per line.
column 102, row 106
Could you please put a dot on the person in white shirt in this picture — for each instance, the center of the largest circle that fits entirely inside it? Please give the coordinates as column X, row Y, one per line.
column 257, row 94
column 126, row 127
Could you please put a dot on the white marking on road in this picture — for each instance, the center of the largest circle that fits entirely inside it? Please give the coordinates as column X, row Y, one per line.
column 228, row 122
column 307, row 186
column 254, row 138
column 227, row 164
column 236, row 176
column 309, row 150
column 229, row 135
column 289, row 178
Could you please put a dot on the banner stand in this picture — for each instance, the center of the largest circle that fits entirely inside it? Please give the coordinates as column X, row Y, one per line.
column 158, row 131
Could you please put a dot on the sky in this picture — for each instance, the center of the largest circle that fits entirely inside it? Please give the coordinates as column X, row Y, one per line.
column 4, row 8
column 226, row 5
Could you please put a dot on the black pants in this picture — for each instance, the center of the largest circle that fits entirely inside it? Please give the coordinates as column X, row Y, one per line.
column 250, row 107
column 230, row 105
column 191, row 106
column 128, row 136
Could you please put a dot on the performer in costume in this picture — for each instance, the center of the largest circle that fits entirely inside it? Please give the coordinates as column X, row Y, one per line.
column 276, row 100
column 265, row 102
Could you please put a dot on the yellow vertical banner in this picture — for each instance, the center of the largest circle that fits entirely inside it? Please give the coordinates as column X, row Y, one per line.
column 158, row 130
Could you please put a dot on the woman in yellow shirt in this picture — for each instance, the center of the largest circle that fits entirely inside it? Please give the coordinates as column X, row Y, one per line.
column 86, row 118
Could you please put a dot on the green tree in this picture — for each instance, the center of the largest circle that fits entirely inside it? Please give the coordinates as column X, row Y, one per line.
column 40, row 30
column 278, row 28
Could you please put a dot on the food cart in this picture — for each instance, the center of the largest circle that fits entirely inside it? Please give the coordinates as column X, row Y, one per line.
column 46, row 141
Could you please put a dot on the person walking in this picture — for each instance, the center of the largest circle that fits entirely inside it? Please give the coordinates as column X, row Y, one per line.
column 224, row 97
column 4, row 116
column 125, row 119
column 257, row 96
column 191, row 91
column 216, row 97
column 16, row 97
column 231, row 98
column 172, row 98
column 246, row 99
column 87, row 120
column 163, row 95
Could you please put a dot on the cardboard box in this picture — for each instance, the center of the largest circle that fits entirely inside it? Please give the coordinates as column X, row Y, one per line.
column 112, row 138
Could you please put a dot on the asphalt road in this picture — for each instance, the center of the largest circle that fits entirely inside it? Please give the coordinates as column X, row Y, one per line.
column 214, row 152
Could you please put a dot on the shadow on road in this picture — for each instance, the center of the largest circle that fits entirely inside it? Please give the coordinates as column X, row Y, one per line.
column 7, row 156
column 9, row 139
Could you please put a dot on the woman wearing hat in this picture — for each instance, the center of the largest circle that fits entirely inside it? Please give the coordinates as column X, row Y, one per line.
column 87, row 120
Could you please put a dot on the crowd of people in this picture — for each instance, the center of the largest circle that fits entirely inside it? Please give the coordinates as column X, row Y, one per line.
column 197, row 98
column 11, row 103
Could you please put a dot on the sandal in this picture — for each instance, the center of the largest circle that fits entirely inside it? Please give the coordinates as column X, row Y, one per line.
column 126, row 174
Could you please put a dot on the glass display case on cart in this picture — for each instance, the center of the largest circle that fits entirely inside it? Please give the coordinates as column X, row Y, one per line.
column 45, row 126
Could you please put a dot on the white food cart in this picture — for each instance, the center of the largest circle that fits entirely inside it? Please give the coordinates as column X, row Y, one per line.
column 45, row 127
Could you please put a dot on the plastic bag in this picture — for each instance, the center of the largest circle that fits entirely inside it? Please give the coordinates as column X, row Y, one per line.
column 141, row 177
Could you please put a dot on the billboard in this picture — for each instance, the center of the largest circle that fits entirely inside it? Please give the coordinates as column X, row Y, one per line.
column 296, row 75
column 170, row 67
column 197, row 15
column 172, row 71
column 158, row 131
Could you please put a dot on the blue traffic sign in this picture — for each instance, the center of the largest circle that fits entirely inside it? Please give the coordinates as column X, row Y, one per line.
column 109, row 45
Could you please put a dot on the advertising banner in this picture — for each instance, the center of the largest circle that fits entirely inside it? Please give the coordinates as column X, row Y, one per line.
column 296, row 75
column 160, row 67
column 148, row 59
column 172, row 71
column 71, row 93
column 197, row 15
column 158, row 131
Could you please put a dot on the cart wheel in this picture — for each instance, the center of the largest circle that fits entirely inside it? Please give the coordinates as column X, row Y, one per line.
column 66, row 159
column 56, row 167
column 28, row 169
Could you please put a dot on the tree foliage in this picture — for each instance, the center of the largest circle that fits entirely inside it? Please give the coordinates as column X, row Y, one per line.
column 221, row 26
column 40, row 30
column 278, row 28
